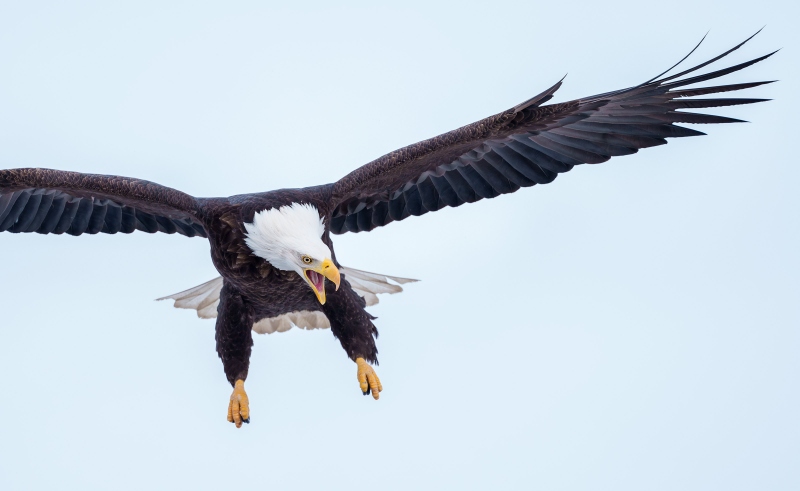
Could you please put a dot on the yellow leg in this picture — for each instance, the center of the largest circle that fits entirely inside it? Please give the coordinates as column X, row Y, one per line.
column 239, row 407
column 368, row 379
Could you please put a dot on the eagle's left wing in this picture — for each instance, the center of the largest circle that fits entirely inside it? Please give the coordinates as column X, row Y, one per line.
column 525, row 145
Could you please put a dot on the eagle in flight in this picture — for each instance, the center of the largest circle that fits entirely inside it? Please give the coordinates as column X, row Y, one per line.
column 274, row 251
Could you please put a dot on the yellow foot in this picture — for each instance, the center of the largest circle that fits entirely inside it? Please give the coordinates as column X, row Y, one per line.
column 368, row 379
column 239, row 407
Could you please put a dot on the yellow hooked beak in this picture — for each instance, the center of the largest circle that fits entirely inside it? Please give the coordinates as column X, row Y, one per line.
column 315, row 277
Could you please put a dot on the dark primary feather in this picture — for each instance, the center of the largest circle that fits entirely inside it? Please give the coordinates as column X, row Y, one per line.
column 56, row 202
column 526, row 145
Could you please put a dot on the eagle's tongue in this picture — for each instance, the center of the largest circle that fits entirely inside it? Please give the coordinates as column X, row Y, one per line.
column 316, row 279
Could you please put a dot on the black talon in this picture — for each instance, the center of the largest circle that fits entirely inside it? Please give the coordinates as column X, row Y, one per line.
column 246, row 421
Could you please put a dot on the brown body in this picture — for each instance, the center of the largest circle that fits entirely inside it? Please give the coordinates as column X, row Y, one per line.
column 252, row 285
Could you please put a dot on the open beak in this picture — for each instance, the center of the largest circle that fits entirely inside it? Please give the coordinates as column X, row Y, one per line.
column 316, row 278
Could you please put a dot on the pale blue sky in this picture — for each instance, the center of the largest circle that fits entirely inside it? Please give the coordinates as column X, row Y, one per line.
column 633, row 325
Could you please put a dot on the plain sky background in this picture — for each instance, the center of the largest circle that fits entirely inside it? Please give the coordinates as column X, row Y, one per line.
column 634, row 325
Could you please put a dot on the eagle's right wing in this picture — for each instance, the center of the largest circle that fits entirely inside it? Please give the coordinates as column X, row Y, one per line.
column 55, row 202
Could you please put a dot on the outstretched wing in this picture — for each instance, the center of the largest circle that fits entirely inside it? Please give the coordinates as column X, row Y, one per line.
column 56, row 202
column 526, row 145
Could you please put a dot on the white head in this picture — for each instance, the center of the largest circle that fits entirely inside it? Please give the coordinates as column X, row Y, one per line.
column 290, row 238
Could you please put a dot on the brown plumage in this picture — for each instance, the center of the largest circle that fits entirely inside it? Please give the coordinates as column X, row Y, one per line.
column 528, row 144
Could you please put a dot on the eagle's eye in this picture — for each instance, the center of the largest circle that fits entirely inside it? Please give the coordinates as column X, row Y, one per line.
column 307, row 260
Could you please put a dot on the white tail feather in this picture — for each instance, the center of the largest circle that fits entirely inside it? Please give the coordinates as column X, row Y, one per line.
column 303, row 319
column 205, row 298
column 368, row 285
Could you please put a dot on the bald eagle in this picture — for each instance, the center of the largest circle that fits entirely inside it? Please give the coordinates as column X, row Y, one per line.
column 274, row 251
